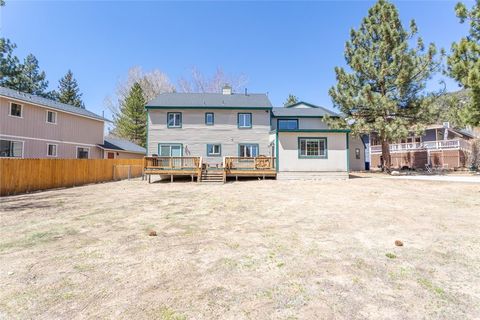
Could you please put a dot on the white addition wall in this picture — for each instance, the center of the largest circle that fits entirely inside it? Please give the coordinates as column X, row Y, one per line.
column 288, row 151
column 195, row 135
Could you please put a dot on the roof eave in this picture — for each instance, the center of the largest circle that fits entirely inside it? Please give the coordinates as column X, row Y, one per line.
column 208, row 107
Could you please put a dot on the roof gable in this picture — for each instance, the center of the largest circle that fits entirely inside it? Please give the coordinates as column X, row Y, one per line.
column 303, row 109
column 302, row 104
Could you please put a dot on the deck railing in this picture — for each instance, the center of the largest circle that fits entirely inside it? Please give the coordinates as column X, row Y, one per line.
column 253, row 163
column 426, row 145
column 173, row 163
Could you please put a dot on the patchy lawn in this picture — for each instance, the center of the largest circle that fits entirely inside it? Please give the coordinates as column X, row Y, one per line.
column 245, row 250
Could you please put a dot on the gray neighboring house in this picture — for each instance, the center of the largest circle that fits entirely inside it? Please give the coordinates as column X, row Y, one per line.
column 118, row 148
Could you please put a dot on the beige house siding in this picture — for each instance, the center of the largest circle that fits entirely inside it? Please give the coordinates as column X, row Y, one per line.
column 288, row 151
column 195, row 135
column 357, row 164
column 69, row 131
column 33, row 148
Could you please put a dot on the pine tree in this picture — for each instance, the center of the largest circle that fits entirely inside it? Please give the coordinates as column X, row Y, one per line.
column 69, row 92
column 290, row 100
column 30, row 79
column 464, row 61
column 9, row 63
column 131, row 121
column 384, row 92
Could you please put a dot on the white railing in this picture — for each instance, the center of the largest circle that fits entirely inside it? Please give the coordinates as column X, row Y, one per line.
column 426, row 145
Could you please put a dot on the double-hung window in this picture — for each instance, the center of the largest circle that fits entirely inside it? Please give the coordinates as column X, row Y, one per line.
column 174, row 119
column 288, row 124
column 214, row 150
column 51, row 150
column 244, row 120
column 13, row 149
column 51, row 117
column 83, row 153
column 15, row 110
column 209, row 118
column 312, row 147
column 248, row 150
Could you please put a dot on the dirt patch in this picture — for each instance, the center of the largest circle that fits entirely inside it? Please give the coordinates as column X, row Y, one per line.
column 246, row 250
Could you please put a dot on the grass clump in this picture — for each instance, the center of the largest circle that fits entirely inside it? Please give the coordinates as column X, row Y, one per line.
column 390, row 255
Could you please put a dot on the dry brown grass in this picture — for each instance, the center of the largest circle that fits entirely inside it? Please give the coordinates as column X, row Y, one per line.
column 246, row 250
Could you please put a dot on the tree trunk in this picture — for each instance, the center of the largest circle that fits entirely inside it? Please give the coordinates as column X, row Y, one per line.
column 386, row 159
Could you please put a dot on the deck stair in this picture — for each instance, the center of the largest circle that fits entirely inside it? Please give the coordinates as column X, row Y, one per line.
column 212, row 176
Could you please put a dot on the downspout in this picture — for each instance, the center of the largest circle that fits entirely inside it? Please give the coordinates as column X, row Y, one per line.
column 277, row 160
column 148, row 120
column 348, row 152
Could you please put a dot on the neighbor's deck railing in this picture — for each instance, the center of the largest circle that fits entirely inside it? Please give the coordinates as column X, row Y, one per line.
column 244, row 163
column 173, row 163
column 426, row 145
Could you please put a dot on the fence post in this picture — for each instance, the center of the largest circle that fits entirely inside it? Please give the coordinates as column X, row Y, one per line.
column 129, row 168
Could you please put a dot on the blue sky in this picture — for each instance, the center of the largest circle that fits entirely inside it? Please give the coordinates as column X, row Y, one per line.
column 282, row 47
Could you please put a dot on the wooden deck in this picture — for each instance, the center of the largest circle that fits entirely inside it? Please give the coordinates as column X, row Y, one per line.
column 173, row 166
column 250, row 167
column 261, row 167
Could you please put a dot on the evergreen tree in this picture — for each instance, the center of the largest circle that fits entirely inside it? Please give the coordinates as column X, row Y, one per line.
column 9, row 63
column 384, row 92
column 464, row 61
column 290, row 100
column 131, row 121
column 69, row 92
column 30, row 79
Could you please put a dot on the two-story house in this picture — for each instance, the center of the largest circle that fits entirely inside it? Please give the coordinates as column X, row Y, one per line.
column 36, row 127
column 219, row 126
column 210, row 125
column 439, row 146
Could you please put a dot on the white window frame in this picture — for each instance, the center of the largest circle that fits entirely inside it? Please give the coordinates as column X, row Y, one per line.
column 248, row 146
column 76, row 152
column 56, row 115
column 23, row 147
column 214, row 154
column 174, row 124
column 242, row 120
column 170, row 147
column 318, row 140
column 10, row 110
column 56, row 150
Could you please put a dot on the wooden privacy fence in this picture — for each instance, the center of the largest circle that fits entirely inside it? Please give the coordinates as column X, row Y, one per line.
column 26, row 175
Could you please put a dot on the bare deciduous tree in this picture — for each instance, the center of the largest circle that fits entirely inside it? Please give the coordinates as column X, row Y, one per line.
column 153, row 83
column 198, row 82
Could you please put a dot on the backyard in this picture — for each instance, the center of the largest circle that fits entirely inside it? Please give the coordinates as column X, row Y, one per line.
column 244, row 250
